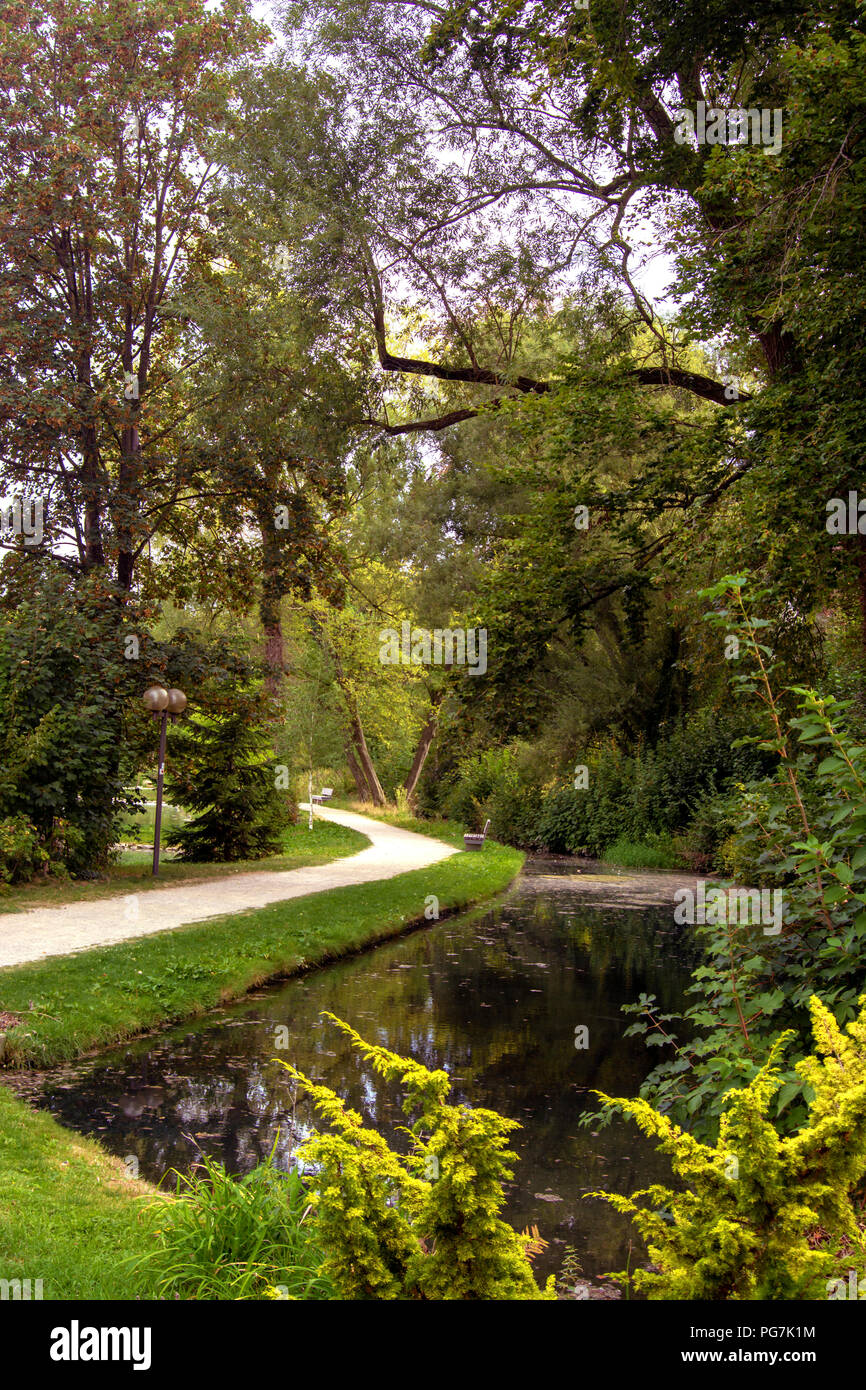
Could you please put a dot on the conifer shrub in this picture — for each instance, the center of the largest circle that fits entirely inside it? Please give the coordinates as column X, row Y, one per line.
column 761, row 1216
column 423, row 1226
column 223, row 765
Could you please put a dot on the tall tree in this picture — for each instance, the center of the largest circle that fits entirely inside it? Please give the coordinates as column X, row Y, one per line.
column 108, row 111
column 527, row 148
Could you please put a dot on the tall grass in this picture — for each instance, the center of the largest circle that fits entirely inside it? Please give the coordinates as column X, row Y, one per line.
column 625, row 854
column 235, row 1238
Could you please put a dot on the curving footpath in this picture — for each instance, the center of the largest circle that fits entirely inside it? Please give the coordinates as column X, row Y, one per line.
column 59, row 931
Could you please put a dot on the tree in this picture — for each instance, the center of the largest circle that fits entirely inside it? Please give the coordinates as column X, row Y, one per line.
column 222, row 769
column 106, row 199
column 562, row 129
column 65, row 759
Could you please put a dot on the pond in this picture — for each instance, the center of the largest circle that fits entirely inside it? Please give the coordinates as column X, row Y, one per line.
column 494, row 996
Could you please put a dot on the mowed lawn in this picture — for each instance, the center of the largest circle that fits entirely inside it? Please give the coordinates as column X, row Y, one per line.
column 70, row 1214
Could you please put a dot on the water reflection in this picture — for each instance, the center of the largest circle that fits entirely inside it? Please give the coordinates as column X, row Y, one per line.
column 494, row 997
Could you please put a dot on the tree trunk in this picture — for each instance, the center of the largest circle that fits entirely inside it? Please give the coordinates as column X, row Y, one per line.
column 357, row 772
column 428, row 733
column 362, row 752
column 357, row 739
column 270, row 602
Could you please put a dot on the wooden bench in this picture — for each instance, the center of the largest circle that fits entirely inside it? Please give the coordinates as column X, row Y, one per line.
column 324, row 795
column 476, row 841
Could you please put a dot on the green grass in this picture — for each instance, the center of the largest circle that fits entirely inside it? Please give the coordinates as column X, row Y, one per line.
column 140, row 825
column 236, row 1238
column 73, row 1004
column 69, row 1213
column 302, row 848
column 627, row 855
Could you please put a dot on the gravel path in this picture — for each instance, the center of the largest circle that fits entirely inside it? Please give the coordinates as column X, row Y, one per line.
column 59, row 931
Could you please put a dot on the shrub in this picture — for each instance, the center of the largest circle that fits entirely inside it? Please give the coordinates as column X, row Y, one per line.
column 24, row 852
column 391, row 1233
column 803, row 830
column 21, row 852
column 235, row 1238
column 644, row 796
column 761, row 1217
column 64, row 687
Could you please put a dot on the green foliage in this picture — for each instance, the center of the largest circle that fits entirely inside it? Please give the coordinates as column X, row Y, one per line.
column 21, row 854
column 235, row 1238
column 496, row 783
column 760, row 1217
column 24, row 852
column 643, row 796
column 223, row 771
column 64, row 684
column 655, row 854
column 389, row 1232
column 108, row 175
column 800, row 830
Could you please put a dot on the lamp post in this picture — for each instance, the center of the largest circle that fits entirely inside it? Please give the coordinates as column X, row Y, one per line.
column 161, row 703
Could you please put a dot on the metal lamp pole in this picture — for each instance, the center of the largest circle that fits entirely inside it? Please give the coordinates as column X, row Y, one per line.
column 161, row 703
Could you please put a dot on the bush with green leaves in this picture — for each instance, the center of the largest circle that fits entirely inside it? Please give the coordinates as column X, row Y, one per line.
column 424, row 1226
column 21, row 853
column 802, row 831
column 759, row 1216
column 65, row 688
column 24, row 852
column 671, row 787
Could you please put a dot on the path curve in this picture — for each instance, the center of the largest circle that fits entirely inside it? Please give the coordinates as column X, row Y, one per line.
column 60, row 931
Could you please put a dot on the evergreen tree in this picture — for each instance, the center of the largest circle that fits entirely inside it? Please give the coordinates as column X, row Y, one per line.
column 224, row 773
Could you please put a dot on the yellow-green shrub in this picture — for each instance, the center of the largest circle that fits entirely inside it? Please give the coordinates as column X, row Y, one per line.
column 391, row 1233
column 762, row 1216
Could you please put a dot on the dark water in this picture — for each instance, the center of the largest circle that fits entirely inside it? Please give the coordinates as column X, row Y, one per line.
column 494, row 997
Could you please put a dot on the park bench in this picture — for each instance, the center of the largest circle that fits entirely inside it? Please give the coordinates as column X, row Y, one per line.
column 476, row 841
column 324, row 795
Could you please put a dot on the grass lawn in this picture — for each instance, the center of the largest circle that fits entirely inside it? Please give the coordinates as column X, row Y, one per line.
column 302, row 847
column 140, row 825
column 69, row 1213
column 73, row 1004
